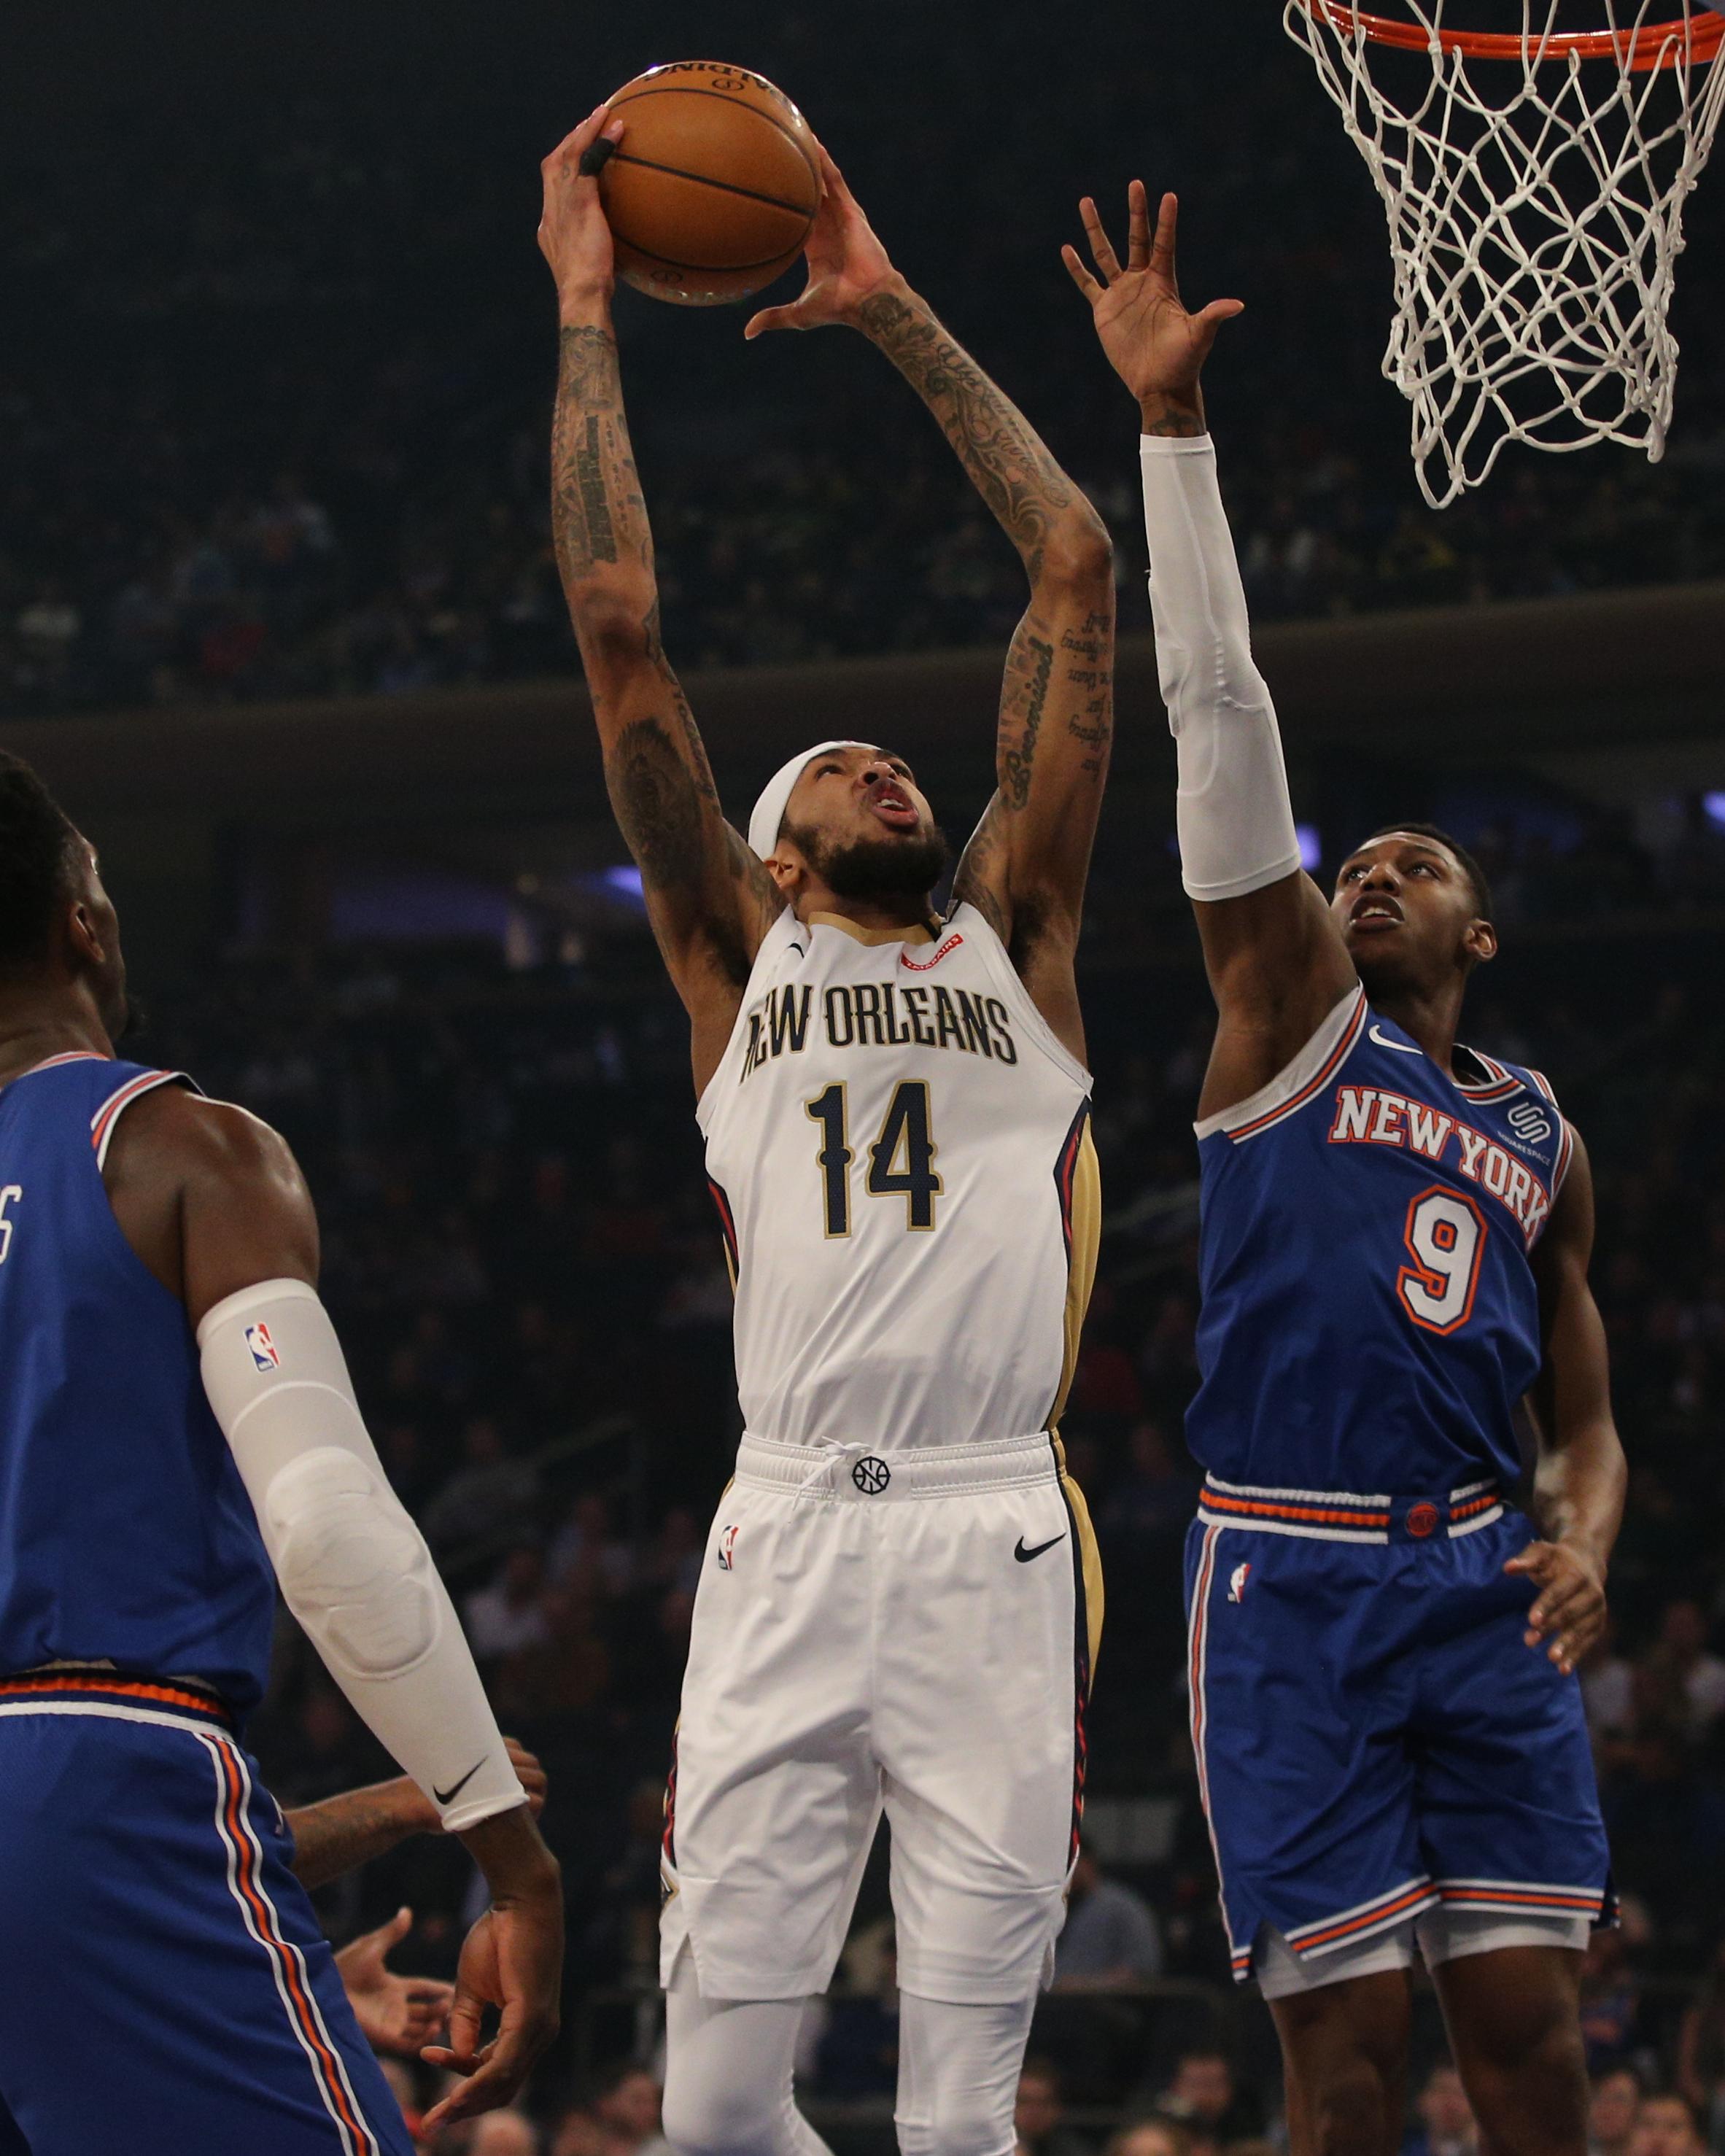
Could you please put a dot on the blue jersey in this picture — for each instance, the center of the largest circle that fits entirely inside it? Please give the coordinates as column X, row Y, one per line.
column 1370, row 1320
column 126, row 1534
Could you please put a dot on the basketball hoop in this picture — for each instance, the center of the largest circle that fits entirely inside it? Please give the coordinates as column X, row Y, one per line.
column 1534, row 183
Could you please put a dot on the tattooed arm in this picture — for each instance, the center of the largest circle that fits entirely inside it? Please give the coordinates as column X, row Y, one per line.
column 709, row 899
column 1025, row 868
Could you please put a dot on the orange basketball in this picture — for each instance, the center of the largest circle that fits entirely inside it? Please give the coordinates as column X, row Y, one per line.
column 712, row 190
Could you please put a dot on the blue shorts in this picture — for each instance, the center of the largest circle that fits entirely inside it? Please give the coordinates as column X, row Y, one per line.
column 168, row 1988
column 1373, row 1737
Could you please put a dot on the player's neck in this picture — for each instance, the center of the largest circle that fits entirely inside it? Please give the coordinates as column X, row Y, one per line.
column 894, row 914
column 1432, row 1019
column 37, row 1024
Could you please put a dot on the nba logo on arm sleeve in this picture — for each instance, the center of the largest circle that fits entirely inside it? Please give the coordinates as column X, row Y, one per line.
column 264, row 1352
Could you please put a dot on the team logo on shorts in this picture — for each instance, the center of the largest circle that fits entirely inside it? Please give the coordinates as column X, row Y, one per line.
column 264, row 1352
column 1422, row 1521
column 1237, row 1582
column 726, row 1551
column 871, row 1475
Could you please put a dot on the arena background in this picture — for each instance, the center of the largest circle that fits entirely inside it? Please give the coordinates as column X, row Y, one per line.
column 279, row 619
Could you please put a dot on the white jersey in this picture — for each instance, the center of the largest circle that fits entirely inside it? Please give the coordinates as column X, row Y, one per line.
column 901, row 1151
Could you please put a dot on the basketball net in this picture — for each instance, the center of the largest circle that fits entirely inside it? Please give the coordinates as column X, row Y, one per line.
column 1534, row 185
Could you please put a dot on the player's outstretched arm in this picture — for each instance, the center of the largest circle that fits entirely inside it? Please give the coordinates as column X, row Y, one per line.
column 709, row 899
column 214, row 1204
column 1026, row 866
column 340, row 1834
column 1276, row 962
column 1579, row 1480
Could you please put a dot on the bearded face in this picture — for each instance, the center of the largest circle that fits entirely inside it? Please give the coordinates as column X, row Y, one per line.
column 874, row 867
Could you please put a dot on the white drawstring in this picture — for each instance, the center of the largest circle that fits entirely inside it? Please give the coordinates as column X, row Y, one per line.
column 831, row 1453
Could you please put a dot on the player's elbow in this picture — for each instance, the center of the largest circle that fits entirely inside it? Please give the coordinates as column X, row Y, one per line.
column 353, row 1568
column 611, row 615
column 1078, row 554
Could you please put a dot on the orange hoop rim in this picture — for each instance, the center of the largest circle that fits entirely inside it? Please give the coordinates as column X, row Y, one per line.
column 1701, row 39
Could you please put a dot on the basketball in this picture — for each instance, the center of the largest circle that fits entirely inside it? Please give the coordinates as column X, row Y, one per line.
column 712, row 190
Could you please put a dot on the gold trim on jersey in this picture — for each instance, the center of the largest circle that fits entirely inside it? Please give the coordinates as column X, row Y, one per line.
column 1083, row 1217
column 1078, row 1175
column 919, row 932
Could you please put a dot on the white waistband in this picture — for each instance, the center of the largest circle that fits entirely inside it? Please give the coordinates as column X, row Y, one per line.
column 855, row 1470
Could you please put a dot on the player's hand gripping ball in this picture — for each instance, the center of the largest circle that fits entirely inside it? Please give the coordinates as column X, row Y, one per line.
column 711, row 193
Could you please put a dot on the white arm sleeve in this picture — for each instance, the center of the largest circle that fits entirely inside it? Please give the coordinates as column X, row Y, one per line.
column 353, row 1568
column 1234, row 818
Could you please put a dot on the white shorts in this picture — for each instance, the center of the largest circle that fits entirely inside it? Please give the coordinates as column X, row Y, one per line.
column 914, row 1632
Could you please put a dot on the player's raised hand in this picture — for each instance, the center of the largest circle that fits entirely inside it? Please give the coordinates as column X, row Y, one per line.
column 1569, row 1613
column 395, row 2013
column 574, row 236
column 1154, row 344
column 846, row 263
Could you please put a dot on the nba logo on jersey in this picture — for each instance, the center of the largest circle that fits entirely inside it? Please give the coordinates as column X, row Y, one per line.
column 727, row 1550
column 264, row 1352
column 1237, row 1582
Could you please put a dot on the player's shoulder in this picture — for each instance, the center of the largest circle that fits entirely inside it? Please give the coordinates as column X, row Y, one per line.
column 172, row 1125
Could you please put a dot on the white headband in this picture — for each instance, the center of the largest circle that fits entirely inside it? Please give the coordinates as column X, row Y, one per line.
column 768, row 816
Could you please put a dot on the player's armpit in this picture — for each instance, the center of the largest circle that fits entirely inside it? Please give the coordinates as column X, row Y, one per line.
column 1029, row 860
column 1277, row 967
column 211, row 1199
column 709, row 899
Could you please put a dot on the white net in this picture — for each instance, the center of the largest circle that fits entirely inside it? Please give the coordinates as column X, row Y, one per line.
column 1534, row 185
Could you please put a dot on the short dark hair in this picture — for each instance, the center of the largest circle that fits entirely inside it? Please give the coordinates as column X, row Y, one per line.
column 1470, row 867
column 36, row 838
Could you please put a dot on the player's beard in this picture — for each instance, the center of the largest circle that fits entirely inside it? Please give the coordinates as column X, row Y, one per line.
column 871, row 869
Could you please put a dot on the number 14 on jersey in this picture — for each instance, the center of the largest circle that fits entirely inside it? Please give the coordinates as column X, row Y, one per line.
column 901, row 1161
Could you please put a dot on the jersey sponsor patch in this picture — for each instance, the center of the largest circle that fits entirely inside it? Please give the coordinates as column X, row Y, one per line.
column 1529, row 1122
column 265, row 1353
column 927, row 965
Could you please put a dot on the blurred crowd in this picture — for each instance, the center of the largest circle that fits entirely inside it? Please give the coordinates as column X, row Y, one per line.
column 520, row 1256
column 276, row 417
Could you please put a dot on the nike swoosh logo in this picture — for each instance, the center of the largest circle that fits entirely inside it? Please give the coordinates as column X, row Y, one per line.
column 1401, row 1047
column 449, row 1795
column 1025, row 1555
